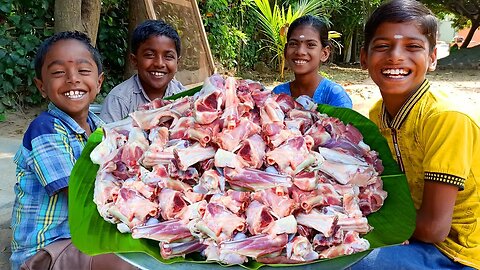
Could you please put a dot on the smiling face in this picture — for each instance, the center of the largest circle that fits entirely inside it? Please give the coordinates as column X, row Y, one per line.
column 70, row 77
column 398, row 58
column 304, row 52
column 156, row 61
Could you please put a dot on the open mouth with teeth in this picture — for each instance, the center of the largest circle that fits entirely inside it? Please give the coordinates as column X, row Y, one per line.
column 396, row 73
column 300, row 62
column 75, row 94
column 158, row 74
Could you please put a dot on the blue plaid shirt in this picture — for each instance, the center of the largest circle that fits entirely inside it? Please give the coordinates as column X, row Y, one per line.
column 51, row 145
column 327, row 92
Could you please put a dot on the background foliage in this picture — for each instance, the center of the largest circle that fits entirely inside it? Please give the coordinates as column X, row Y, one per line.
column 112, row 42
column 23, row 25
column 231, row 38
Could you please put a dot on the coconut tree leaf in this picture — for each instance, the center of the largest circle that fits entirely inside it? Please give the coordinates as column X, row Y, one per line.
column 393, row 223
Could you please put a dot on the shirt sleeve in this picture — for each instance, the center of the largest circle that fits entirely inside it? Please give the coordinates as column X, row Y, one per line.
column 339, row 97
column 449, row 140
column 113, row 109
column 283, row 88
column 52, row 161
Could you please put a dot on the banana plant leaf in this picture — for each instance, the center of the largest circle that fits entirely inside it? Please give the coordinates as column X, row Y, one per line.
column 393, row 223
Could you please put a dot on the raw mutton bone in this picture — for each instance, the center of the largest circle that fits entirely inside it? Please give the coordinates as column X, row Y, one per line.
column 237, row 173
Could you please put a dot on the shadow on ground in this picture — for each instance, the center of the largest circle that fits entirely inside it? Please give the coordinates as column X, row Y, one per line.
column 468, row 58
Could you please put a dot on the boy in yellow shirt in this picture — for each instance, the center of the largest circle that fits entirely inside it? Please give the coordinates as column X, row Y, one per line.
column 435, row 142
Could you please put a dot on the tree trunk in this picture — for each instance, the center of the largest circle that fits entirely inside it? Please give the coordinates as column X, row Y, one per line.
column 354, row 58
column 347, row 52
column 78, row 15
column 468, row 38
column 137, row 13
column 91, row 18
column 68, row 15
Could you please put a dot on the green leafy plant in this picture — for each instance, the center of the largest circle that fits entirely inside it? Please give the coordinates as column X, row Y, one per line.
column 225, row 32
column 351, row 19
column 23, row 26
column 112, row 43
column 275, row 20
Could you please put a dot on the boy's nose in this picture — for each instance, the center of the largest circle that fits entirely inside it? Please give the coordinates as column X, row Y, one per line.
column 158, row 61
column 73, row 77
column 396, row 54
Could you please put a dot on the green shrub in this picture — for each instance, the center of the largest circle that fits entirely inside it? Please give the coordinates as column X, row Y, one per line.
column 112, row 43
column 229, row 27
column 23, row 26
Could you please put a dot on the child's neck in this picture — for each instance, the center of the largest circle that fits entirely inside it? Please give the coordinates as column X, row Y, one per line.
column 305, row 84
column 83, row 123
column 154, row 93
column 393, row 104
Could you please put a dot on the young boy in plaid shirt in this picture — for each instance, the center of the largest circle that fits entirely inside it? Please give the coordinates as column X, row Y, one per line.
column 69, row 74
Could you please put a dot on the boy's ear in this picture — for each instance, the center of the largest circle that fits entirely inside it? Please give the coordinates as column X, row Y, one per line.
column 433, row 60
column 133, row 59
column 178, row 63
column 363, row 58
column 101, row 77
column 39, row 85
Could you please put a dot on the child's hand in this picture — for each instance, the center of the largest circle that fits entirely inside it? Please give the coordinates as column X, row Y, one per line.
column 406, row 242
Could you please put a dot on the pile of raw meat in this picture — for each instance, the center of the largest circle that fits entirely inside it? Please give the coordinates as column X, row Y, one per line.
column 238, row 173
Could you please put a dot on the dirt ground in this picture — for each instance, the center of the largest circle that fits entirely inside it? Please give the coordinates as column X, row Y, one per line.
column 465, row 84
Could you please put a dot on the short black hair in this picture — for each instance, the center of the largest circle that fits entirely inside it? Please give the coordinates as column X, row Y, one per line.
column 150, row 28
column 313, row 21
column 399, row 11
column 47, row 43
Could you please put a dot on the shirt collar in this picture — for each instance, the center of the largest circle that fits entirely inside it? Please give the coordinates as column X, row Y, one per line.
column 93, row 120
column 402, row 114
column 139, row 88
column 171, row 89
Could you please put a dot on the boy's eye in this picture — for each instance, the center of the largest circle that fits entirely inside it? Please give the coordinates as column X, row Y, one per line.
column 414, row 46
column 58, row 72
column 149, row 55
column 85, row 71
column 170, row 57
column 380, row 47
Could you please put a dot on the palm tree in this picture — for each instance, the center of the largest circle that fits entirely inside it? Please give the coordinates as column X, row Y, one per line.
column 275, row 22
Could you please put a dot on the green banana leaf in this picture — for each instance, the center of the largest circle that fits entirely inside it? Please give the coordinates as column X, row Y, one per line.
column 393, row 223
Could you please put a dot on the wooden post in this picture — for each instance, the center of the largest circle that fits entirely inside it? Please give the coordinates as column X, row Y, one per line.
column 204, row 36
column 150, row 10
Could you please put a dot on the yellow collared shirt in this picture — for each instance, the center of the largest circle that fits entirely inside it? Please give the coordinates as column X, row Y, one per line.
column 434, row 139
